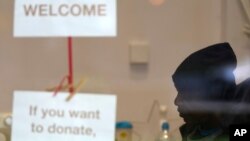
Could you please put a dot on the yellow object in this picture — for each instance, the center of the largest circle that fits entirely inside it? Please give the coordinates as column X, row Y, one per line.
column 123, row 135
column 77, row 88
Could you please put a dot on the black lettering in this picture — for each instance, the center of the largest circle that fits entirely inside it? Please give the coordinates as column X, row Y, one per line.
column 30, row 10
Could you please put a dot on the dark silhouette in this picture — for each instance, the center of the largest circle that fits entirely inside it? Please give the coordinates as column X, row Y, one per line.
column 241, row 109
column 205, row 83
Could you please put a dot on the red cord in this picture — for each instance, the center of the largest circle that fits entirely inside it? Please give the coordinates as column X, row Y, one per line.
column 70, row 60
column 59, row 87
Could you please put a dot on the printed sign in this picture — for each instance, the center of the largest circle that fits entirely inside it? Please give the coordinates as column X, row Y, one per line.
column 48, row 18
column 41, row 117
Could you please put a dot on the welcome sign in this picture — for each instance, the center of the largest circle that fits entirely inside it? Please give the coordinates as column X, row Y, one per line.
column 48, row 18
column 38, row 116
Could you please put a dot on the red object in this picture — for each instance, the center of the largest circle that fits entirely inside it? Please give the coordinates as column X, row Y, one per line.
column 70, row 60
column 70, row 75
column 59, row 87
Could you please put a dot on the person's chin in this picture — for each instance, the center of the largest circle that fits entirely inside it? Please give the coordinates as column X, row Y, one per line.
column 185, row 118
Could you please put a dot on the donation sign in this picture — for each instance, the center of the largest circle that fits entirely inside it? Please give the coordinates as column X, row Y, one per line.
column 38, row 116
column 48, row 18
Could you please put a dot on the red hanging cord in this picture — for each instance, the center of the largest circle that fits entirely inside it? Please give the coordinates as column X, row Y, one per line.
column 70, row 61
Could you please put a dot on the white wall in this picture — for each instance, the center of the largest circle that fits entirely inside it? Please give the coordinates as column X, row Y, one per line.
column 234, row 25
column 173, row 30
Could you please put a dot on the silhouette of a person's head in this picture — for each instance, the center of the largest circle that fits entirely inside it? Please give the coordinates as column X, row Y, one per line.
column 203, row 81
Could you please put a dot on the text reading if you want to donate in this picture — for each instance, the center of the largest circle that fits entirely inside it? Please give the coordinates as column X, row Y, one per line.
column 63, row 10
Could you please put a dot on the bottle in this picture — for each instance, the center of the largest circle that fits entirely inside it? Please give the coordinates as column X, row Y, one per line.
column 164, row 134
column 163, row 110
column 124, row 131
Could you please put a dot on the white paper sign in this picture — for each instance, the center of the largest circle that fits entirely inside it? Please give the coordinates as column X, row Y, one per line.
column 38, row 116
column 49, row 18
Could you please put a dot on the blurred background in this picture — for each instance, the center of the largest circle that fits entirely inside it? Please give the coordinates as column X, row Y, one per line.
column 153, row 38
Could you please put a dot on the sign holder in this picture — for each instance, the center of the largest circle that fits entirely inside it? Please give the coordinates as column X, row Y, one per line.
column 72, row 90
column 69, row 77
column 70, row 66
